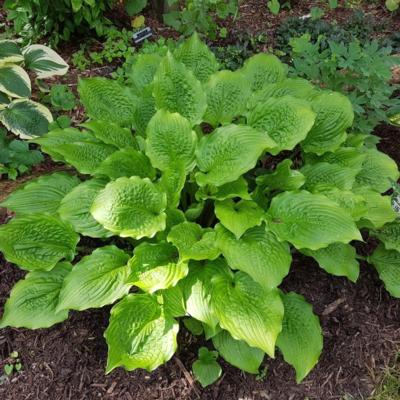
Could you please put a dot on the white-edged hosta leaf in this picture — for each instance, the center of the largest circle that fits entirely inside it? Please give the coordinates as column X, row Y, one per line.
column 334, row 116
column 96, row 280
column 283, row 178
column 10, row 52
column 310, row 221
column 238, row 188
column 389, row 234
column 44, row 61
column 286, row 120
column 206, row 368
column 238, row 353
column 111, row 133
column 176, row 89
column 156, row 266
column 193, row 242
column 258, row 253
column 105, row 99
column 14, row 81
column 197, row 57
column 4, row 101
column 387, row 263
column 75, row 208
column 301, row 338
column 170, row 139
column 248, row 311
column 33, row 300
column 37, row 242
column 172, row 182
column 26, row 118
column 378, row 171
column 227, row 153
column 126, row 162
column 262, row 69
column 140, row 334
column 86, row 157
column 131, row 207
column 197, row 287
column 42, row 195
column 322, row 175
column 338, row 259
column 238, row 216
column 227, row 93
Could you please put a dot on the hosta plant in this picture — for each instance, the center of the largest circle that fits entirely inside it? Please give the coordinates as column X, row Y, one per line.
column 195, row 188
column 19, row 114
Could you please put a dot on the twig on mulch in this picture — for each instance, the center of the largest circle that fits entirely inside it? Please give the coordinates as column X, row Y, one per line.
column 187, row 375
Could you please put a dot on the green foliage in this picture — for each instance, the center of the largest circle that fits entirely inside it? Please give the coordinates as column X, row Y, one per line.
column 33, row 19
column 205, row 227
column 62, row 98
column 392, row 5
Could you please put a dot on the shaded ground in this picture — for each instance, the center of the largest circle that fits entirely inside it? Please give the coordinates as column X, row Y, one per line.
column 360, row 322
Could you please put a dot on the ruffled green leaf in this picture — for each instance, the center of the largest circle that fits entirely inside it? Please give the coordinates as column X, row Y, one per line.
column 37, row 242
column 42, row 195
column 173, row 301
column 172, row 182
column 140, row 334
column 145, row 109
column 310, row 221
column 338, row 259
column 176, row 89
column 238, row 188
column 33, row 300
column 258, row 253
column 144, row 69
column 389, row 234
column 96, row 280
column 301, row 338
column 14, row 81
column 131, row 207
column 228, row 152
column 248, row 311
column 155, row 267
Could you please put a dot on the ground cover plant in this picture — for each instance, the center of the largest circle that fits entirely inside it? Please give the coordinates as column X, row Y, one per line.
column 197, row 185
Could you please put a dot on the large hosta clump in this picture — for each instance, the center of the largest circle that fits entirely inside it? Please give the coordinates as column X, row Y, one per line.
column 198, row 185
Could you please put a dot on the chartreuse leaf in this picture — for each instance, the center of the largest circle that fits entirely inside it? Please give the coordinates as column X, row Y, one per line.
column 258, row 253
column 206, row 369
column 75, row 208
column 287, row 120
column 177, row 90
column 387, row 263
column 238, row 188
column 26, row 118
column 248, row 311
column 193, row 242
column 227, row 93
column 33, row 300
column 131, row 207
column 156, row 266
column 310, row 220
column 144, row 69
column 346, row 157
column 283, row 178
column 238, row 216
column 145, row 109
column 140, row 334
column 14, row 81
column 42, row 195
column 322, row 175
column 170, row 139
column 228, row 152
column 338, row 259
column 172, row 182
column 107, row 100
column 389, row 234
column 96, row 280
column 301, row 338
column 44, row 61
column 173, row 301
column 197, row 288
column 197, row 57
column 262, row 69
column 334, row 116
column 126, row 162
column 37, row 242
column 238, row 353
column 378, row 171
column 10, row 52
column 111, row 133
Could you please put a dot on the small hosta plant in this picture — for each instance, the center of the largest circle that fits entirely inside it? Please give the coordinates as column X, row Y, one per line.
column 193, row 211
column 19, row 114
